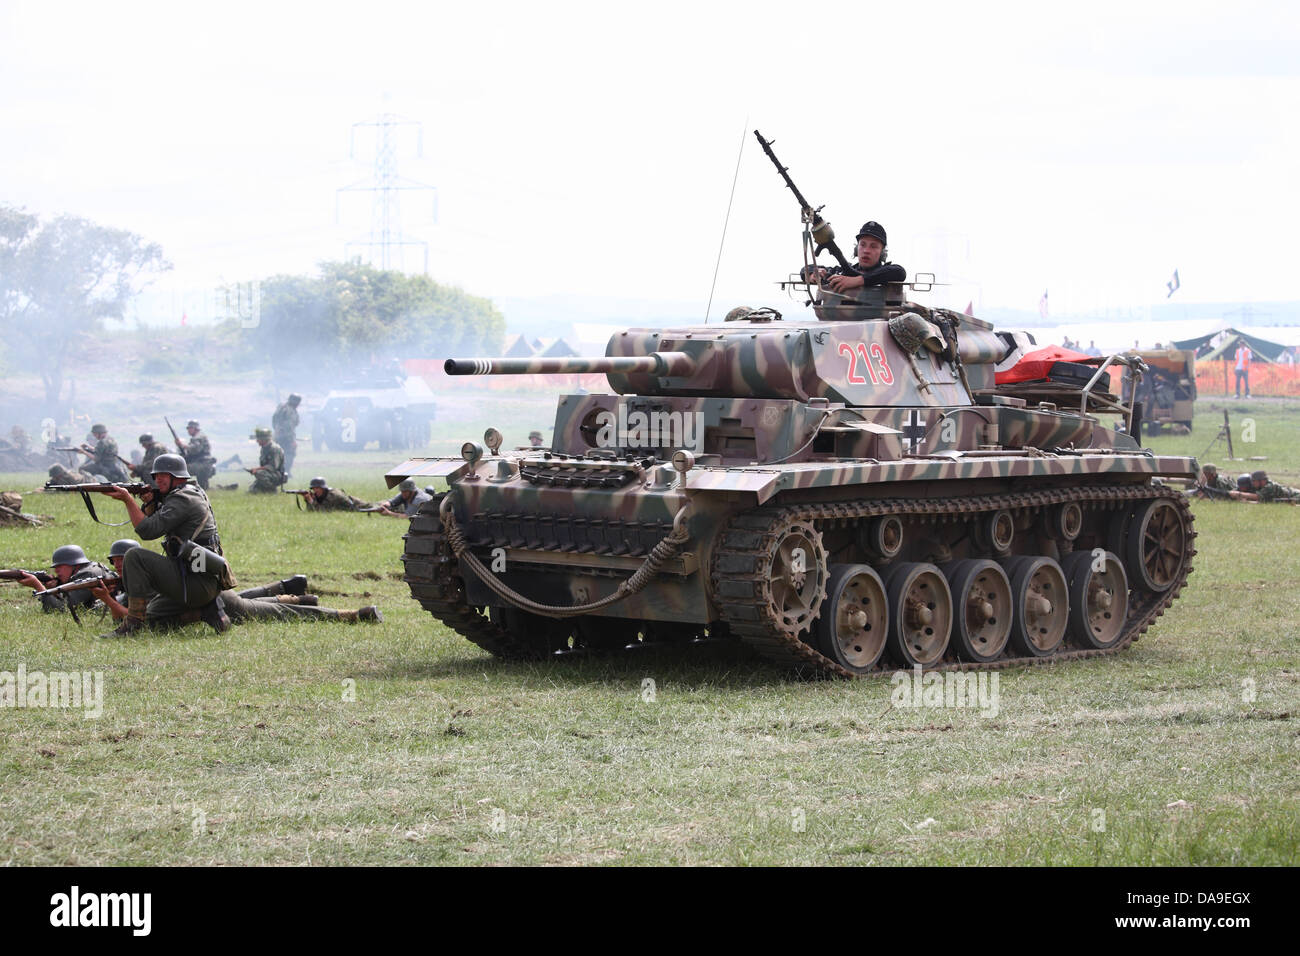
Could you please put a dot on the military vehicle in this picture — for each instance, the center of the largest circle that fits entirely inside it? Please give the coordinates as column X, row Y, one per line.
column 384, row 406
column 843, row 493
column 1167, row 392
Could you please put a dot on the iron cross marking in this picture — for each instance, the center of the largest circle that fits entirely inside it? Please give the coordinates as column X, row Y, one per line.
column 913, row 431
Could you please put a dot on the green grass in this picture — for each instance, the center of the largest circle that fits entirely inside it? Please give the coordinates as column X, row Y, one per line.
column 448, row 756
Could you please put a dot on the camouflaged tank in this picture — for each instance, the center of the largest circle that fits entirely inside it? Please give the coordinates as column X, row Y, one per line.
column 845, row 494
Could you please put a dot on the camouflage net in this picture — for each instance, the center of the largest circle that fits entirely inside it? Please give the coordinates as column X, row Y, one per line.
column 659, row 555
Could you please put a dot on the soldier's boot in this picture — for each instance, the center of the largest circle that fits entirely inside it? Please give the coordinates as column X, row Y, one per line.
column 134, row 620
column 293, row 585
column 305, row 600
column 214, row 614
column 367, row 613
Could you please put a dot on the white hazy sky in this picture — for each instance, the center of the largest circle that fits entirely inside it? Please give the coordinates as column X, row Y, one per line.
column 589, row 149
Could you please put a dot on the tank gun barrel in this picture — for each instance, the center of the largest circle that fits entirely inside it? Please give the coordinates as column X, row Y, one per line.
column 672, row 364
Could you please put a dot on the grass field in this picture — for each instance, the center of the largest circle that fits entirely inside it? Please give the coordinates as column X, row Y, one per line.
column 245, row 748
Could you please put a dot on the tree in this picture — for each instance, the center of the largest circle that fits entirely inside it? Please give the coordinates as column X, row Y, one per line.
column 59, row 280
column 351, row 313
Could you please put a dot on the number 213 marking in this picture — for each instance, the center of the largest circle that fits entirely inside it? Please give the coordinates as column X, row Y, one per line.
column 882, row 376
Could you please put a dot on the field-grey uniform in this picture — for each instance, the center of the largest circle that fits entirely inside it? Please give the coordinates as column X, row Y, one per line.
column 396, row 503
column 170, row 585
column 61, row 602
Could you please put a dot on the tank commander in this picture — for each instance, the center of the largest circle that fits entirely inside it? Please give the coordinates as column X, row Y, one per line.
column 872, row 267
column 104, row 455
column 285, row 425
column 269, row 474
column 69, row 564
column 159, row 584
column 406, row 502
column 1268, row 491
column 321, row 497
column 198, row 454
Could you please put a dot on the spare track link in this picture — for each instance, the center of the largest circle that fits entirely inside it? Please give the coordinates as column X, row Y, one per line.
column 747, row 538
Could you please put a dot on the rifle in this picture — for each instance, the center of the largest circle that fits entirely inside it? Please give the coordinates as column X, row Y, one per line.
column 822, row 233
column 88, row 452
column 109, row 581
column 180, row 445
column 14, row 574
column 137, row 488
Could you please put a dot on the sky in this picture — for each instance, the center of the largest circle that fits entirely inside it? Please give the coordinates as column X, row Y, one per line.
column 590, row 150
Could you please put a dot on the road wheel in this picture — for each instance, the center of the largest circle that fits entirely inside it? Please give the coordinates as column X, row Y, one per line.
column 1098, row 598
column 1040, row 603
column 920, row 614
column 982, row 609
column 854, row 621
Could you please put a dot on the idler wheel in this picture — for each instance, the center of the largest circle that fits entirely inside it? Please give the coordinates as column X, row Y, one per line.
column 982, row 609
column 1098, row 589
column 854, row 622
column 1156, row 545
column 920, row 614
column 1041, row 605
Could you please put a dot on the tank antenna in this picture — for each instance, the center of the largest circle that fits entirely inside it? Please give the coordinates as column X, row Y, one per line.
column 726, row 220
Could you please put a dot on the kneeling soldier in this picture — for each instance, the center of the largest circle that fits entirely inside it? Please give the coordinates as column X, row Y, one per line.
column 190, row 574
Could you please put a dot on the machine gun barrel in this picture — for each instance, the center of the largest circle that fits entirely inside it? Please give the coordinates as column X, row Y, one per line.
column 671, row 364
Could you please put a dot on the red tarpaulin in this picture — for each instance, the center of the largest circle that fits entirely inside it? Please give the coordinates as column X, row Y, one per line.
column 1036, row 365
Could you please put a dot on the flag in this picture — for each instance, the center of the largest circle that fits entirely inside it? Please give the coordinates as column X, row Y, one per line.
column 970, row 307
column 1042, row 305
column 184, row 316
column 1173, row 284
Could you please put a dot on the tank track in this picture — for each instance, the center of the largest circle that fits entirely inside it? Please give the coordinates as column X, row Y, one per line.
column 746, row 541
column 432, row 574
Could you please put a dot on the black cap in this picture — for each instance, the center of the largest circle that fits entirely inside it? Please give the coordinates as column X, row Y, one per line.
column 873, row 229
column 1260, row 475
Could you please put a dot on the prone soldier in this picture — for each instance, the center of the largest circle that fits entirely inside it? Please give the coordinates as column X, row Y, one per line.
column 281, row 600
column 285, row 424
column 62, row 476
column 1269, row 491
column 319, row 496
column 69, row 564
column 406, row 502
column 269, row 474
